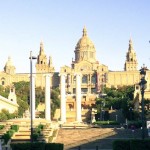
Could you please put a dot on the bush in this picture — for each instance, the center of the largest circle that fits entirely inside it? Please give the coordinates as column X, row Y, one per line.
column 11, row 132
column 8, row 135
column 1, row 127
column 15, row 127
column 41, row 126
column 6, row 138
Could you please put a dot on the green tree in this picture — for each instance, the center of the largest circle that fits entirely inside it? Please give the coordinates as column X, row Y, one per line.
column 55, row 100
column 121, row 98
column 4, row 91
column 22, row 107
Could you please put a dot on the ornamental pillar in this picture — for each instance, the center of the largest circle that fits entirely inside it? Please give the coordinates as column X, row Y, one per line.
column 63, row 96
column 47, row 97
column 78, row 98
column 32, row 94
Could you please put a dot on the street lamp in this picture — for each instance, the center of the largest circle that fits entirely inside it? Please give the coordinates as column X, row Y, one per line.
column 143, row 87
column 31, row 102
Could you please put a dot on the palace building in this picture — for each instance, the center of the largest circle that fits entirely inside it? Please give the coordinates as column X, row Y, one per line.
column 81, row 82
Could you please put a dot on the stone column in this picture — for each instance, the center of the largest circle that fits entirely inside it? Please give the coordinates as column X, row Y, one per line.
column 78, row 98
column 63, row 97
column 47, row 97
column 32, row 100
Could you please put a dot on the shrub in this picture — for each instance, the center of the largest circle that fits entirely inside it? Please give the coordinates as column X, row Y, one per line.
column 8, row 135
column 15, row 127
column 6, row 138
column 41, row 126
column 1, row 127
column 11, row 132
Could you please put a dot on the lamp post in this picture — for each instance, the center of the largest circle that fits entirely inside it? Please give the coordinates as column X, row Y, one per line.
column 143, row 87
column 31, row 94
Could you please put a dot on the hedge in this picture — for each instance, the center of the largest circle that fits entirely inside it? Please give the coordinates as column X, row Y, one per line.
column 55, row 146
column 135, row 144
column 121, row 145
column 106, row 122
column 135, row 124
column 28, row 146
column 37, row 146
column 140, row 144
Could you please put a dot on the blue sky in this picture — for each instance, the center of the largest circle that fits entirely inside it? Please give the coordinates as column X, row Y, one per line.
column 59, row 24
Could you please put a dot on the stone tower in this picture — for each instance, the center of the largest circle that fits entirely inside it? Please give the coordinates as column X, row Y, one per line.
column 42, row 65
column 131, row 60
column 12, row 95
column 9, row 67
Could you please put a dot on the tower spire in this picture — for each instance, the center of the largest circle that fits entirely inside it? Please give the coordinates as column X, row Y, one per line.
column 84, row 31
column 131, row 60
column 41, row 48
column 130, row 45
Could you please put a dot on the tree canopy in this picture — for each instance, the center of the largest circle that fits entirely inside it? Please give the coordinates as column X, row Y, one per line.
column 121, row 98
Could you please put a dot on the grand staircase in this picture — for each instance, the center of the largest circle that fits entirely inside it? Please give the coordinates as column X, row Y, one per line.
column 24, row 132
column 23, row 135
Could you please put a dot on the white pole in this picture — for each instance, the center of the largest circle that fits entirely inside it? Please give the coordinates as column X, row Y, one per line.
column 47, row 98
column 78, row 98
column 63, row 97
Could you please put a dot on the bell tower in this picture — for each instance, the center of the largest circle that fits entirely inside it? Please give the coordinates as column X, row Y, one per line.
column 42, row 65
column 131, row 60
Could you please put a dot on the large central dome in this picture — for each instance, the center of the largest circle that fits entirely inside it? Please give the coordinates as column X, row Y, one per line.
column 85, row 49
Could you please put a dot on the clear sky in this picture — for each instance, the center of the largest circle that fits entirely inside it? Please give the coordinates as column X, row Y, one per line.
column 59, row 24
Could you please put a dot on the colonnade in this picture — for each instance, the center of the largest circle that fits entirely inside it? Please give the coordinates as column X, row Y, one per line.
column 47, row 97
column 63, row 97
column 62, row 94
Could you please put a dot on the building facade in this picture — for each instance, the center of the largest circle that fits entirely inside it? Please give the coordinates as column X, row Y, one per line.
column 93, row 75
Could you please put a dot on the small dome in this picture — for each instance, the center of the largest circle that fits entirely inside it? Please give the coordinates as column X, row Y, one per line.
column 85, row 43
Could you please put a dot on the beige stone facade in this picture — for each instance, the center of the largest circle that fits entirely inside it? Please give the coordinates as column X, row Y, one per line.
column 94, row 74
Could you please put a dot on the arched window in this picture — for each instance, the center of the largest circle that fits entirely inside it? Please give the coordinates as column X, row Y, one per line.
column 3, row 81
column 84, row 79
column 93, row 80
